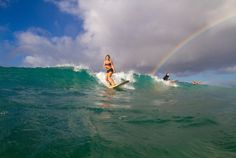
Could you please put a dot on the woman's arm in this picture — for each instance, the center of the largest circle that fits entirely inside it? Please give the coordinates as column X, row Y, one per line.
column 113, row 67
column 104, row 64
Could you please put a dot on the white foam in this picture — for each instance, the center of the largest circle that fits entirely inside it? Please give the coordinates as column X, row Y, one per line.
column 117, row 77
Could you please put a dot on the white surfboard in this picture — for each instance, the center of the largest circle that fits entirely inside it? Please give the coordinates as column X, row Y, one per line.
column 118, row 85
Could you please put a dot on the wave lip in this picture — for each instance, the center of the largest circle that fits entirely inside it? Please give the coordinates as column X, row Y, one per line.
column 75, row 67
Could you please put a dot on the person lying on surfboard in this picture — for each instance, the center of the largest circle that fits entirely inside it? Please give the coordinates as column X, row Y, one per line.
column 166, row 77
column 109, row 66
column 196, row 82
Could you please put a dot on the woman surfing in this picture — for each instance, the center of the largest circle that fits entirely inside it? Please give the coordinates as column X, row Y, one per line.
column 108, row 65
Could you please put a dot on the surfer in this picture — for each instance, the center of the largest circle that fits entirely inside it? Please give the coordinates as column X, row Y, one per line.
column 108, row 65
column 166, row 77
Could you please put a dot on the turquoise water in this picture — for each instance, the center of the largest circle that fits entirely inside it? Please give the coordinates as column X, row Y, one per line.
column 69, row 113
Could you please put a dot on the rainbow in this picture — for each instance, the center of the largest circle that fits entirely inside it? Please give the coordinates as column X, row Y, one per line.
column 188, row 39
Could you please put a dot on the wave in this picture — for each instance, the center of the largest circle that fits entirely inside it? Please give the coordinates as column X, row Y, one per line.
column 136, row 79
column 72, row 75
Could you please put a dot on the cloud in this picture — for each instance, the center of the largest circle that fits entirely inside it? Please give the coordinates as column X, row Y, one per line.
column 138, row 34
column 69, row 6
column 4, row 3
column 231, row 69
column 48, row 51
column 214, row 50
column 3, row 29
column 6, row 57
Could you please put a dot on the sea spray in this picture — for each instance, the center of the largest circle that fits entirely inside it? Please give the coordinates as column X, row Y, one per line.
column 118, row 78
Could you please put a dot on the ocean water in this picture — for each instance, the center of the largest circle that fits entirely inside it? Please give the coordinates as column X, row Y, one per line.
column 67, row 112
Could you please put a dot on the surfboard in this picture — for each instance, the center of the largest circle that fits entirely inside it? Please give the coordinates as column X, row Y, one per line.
column 171, row 81
column 120, row 84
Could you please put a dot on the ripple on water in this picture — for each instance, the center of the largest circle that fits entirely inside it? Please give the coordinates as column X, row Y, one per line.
column 227, row 141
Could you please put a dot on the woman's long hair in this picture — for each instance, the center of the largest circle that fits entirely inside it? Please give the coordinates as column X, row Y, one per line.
column 109, row 57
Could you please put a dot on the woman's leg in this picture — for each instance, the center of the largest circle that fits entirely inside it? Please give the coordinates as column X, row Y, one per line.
column 110, row 79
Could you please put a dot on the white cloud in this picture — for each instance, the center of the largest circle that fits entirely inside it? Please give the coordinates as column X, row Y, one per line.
column 137, row 33
column 3, row 29
column 231, row 69
column 4, row 3
column 45, row 51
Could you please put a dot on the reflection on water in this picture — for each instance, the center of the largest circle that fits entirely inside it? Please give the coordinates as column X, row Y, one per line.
column 107, row 97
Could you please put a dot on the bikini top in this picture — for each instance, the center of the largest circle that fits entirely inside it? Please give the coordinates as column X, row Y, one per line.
column 109, row 64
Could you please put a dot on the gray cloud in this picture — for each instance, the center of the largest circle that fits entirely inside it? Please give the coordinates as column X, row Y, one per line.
column 214, row 50
column 138, row 34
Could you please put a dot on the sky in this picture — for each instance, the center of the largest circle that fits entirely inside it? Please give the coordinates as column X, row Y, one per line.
column 138, row 34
